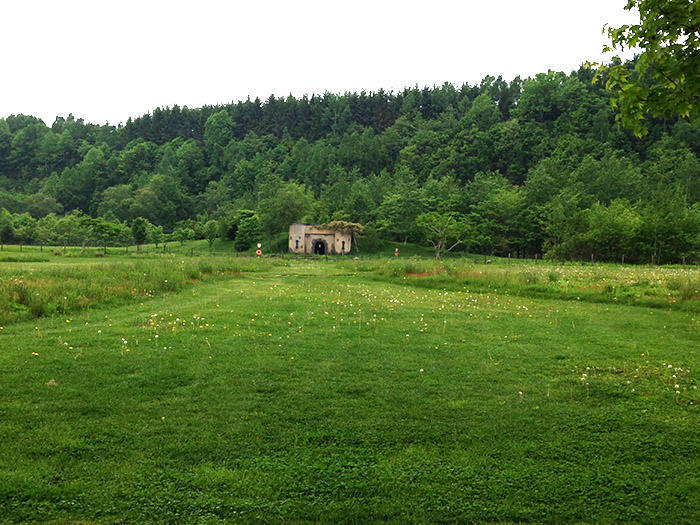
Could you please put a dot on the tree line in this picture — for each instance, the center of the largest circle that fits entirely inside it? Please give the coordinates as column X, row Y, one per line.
column 528, row 167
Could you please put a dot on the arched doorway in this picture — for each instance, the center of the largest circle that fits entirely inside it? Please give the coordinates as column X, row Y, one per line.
column 320, row 247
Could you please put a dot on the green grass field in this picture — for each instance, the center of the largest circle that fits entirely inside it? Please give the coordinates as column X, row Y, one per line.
column 341, row 390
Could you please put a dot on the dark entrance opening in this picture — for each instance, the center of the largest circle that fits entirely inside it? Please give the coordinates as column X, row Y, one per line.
column 320, row 248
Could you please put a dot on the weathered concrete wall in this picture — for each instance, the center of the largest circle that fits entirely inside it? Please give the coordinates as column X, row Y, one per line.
column 303, row 238
column 296, row 238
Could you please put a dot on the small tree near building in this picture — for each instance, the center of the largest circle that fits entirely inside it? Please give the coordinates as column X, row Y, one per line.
column 139, row 230
column 445, row 231
column 24, row 226
column 103, row 232
column 183, row 233
column 354, row 229
column 156, row 234
column 211, row 232
column 249, row 232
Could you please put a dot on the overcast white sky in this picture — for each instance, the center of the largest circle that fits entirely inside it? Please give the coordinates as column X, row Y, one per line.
column 108, row 60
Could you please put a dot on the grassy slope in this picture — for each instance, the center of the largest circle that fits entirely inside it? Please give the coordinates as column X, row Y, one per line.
column 282, row 396
column 661, row 287
column 69, row 284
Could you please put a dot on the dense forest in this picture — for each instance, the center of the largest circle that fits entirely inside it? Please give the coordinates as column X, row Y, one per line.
column 535, row 167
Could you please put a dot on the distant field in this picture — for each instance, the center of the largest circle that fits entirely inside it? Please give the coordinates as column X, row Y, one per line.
column 203, row 389
column 199, row 247
column 38, row 284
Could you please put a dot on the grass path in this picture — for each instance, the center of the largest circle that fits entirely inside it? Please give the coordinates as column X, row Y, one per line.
column 296, row 397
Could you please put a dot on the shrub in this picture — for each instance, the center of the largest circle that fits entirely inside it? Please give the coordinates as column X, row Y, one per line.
column 192, row 273
column 38, row 308
column 529, row 278
column 553, row 276
column 689, row 289
column 206, row 268
column 248, row 233
column 18, row 292
column 369, row 241
column 229, row 224
column 674, row 284
column 279, row 244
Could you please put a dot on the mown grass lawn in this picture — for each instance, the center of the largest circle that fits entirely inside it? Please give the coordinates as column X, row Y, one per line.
column 313, row 393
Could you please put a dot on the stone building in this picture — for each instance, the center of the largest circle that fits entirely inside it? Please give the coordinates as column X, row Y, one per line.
column 315, row 239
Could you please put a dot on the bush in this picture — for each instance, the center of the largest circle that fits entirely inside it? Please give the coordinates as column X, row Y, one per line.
column 369, row 241
column 206, row 268
column 248, row 233
column 279, row 244
column 229, row 224
column 689, row 288
column 674, row 284
column 192, row 273
column 18, row 292
column 529, row 278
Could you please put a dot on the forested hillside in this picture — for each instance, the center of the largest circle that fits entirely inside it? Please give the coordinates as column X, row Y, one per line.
column 524, row 167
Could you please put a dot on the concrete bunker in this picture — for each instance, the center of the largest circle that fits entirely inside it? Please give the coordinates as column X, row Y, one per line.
column 308, row 239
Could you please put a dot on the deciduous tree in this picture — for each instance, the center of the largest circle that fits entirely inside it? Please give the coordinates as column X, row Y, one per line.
column 665, row 78
column 445, row 231
column 139, row 231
